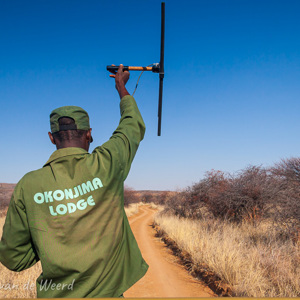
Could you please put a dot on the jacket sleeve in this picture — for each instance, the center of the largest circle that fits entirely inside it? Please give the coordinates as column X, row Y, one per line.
column 126, row 138
column 17, row 252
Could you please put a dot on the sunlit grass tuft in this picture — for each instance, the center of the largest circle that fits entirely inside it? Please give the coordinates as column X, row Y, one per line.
column 132, row 209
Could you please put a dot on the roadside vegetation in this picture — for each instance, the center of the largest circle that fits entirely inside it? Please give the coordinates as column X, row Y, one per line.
column 240, row 230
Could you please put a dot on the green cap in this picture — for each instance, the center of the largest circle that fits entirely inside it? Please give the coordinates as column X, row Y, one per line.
column 78, row 114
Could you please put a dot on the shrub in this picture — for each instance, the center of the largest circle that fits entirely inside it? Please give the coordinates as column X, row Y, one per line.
column 245, row 196
column 130, row 196
column 287, row 205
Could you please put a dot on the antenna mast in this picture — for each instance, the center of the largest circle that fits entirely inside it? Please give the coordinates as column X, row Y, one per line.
column 156, row 68
column 161, row 66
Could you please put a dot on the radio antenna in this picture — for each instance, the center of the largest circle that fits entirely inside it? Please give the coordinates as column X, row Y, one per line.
column 155, row 68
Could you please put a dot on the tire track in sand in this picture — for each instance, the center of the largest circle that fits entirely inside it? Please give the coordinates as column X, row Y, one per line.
column 165, row 276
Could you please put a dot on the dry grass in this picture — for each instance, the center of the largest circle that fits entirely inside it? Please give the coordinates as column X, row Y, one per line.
column 253, row 261
column 132, row 209
column 156, row 206
column 18, row 284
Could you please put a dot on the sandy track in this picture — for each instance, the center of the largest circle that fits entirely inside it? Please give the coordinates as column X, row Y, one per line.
column 165, row 276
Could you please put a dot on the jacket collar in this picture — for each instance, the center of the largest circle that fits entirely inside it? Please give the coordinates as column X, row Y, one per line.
column 65, row 152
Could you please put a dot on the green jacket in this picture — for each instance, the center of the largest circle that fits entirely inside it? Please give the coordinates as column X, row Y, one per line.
column 70, row 215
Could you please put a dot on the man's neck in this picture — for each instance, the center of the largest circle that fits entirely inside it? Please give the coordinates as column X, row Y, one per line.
column 73, row 144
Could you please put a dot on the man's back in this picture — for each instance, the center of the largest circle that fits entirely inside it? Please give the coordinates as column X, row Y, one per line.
column 70, row 215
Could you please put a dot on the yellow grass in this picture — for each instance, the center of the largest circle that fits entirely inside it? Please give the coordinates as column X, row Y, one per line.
column 253, row 261
column 132, row 209
column 18, row 284
column 156, row 206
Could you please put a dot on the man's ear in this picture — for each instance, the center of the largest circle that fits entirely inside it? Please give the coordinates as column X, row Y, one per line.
column 51, row 138
column 89, row 135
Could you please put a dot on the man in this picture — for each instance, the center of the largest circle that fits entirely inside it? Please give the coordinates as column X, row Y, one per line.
column 70, row 213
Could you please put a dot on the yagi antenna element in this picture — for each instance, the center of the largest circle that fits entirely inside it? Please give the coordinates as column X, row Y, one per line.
column 155, row 68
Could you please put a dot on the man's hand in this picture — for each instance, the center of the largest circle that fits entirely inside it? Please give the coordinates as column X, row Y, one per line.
column 121, row 78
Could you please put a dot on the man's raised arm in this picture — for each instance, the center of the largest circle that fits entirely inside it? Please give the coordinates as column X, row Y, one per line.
column 126, row 138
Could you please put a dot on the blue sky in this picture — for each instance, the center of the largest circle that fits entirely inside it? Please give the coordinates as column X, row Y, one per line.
column 231, row 88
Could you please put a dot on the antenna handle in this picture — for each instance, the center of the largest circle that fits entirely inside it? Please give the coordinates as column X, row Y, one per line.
column 115, row 68
column 154, row 69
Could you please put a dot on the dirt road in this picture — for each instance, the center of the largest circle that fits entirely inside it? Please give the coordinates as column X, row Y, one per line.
column 165, row 276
